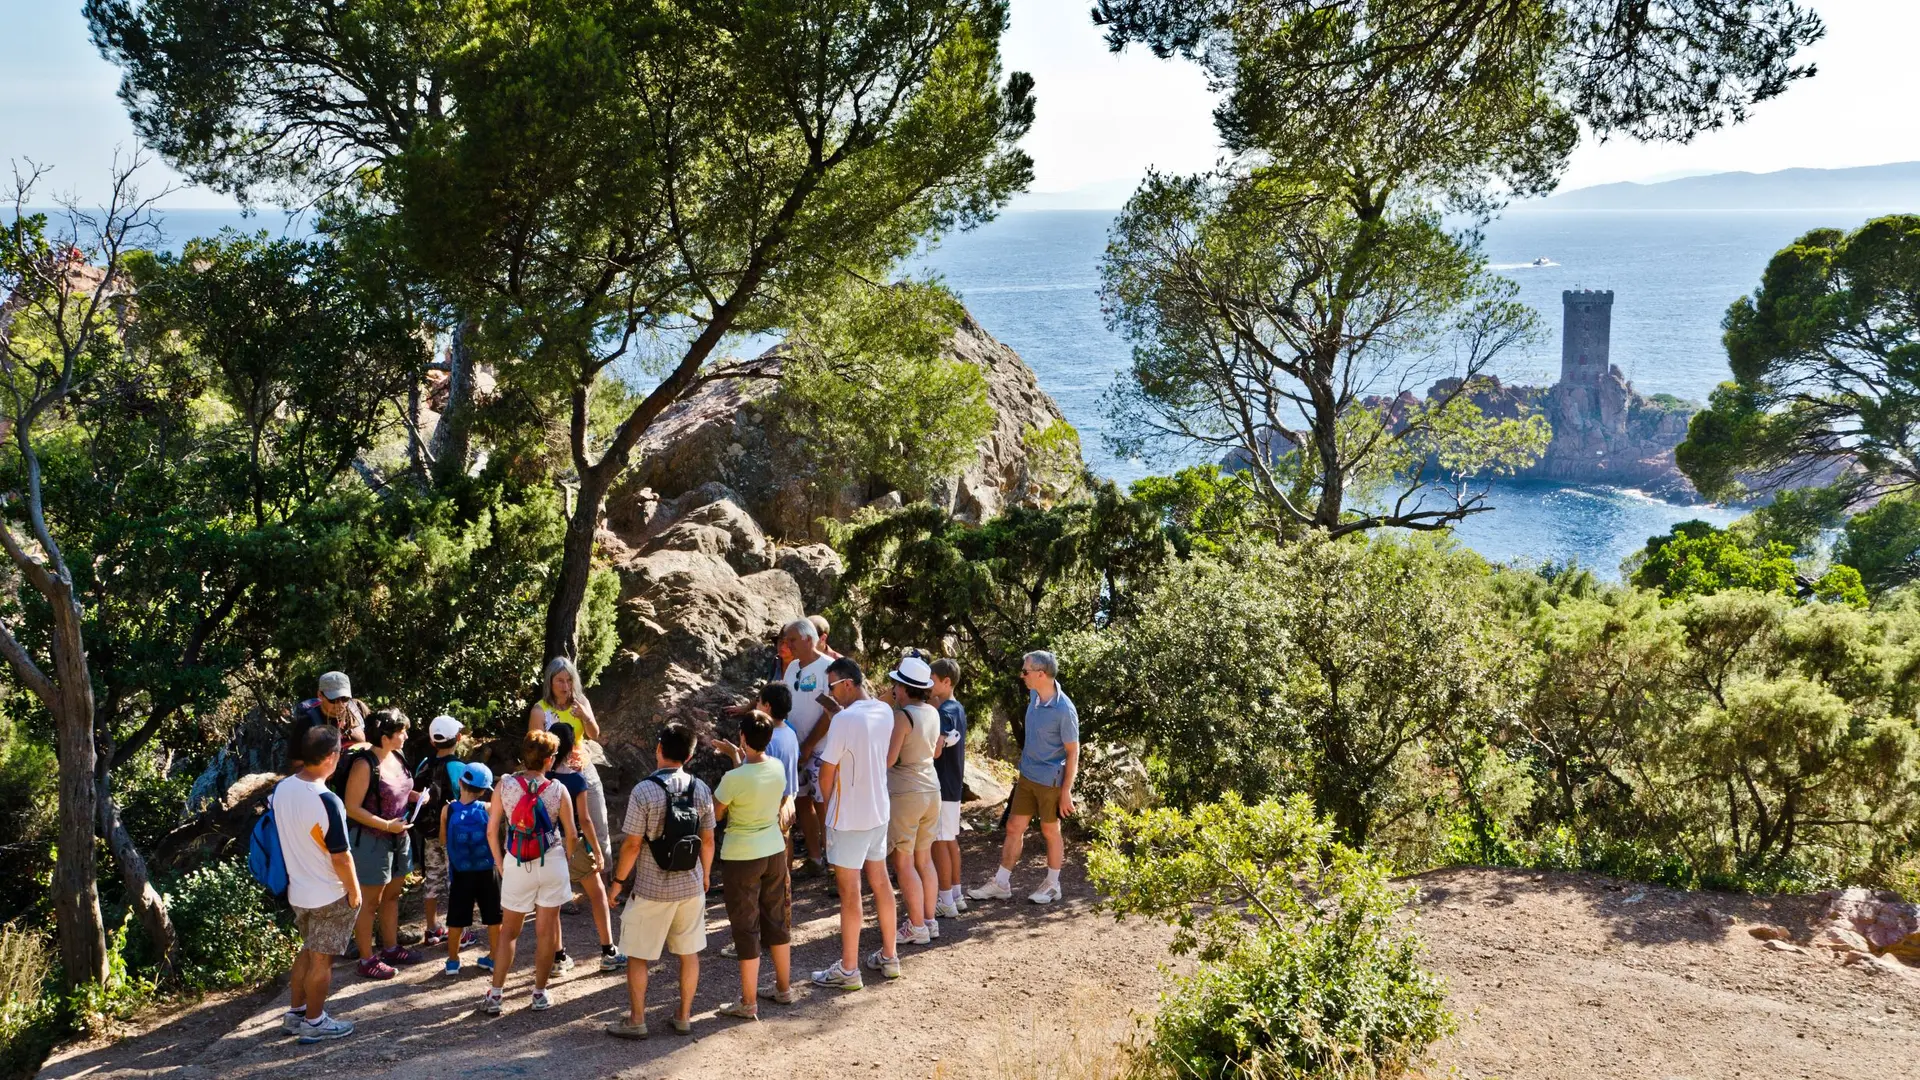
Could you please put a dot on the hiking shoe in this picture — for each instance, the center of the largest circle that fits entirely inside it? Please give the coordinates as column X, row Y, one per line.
column 1046, row 894
column 729, row 951
column 946, row 909
column 621, row 1029
column 434, row 937
column 373, row 968
column 915, row 935
column 739, row 1010
column 837, row 978
column 992, row 890
column 471, row 938
column 961, row 902
column 541, row 1002
column 491, row 1003
column 485, row 964
column 888, row 966
column 562, row 963
column 933, row 929
column 292, row 1022
column 452, row 968
column 613, row 961
column 400, row 954
column 328, row 1028
column 681, row 1027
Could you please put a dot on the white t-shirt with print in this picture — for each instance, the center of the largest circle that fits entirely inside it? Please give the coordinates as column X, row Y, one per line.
column 857, row 742
column 312, row 824
column 807, row 684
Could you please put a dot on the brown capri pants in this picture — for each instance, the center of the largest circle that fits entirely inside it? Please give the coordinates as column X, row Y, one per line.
column 759, row 902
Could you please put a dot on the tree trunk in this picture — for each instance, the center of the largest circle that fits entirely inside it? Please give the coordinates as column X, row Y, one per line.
column 146, row 900
column 576, row 565
column 76, row 895
column 450, row 437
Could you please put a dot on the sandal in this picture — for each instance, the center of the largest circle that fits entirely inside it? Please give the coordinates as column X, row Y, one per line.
column 738, row 1009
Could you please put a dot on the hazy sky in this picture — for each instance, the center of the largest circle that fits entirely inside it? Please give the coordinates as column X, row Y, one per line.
column 1103, row 118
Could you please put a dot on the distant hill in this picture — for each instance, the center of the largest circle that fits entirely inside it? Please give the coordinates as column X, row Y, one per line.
column 1869, row 187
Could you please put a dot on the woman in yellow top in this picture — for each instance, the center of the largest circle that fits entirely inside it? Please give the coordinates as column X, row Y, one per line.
column 562, row 704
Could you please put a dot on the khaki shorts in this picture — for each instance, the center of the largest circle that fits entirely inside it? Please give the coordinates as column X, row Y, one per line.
column 680, row 925
column 580, row 863
column 1036, row 800
column 911, row 824
column 328, row 930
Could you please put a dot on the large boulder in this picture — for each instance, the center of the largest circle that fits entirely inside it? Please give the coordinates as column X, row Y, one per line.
column 729, row 433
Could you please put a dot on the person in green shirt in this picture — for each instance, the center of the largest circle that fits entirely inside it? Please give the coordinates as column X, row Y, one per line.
column 753, row 800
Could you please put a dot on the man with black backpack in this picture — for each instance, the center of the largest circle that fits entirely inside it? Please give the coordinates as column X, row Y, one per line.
column 671, row 813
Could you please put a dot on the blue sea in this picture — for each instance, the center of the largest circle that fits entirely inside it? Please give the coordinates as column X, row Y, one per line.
column 1032, row 279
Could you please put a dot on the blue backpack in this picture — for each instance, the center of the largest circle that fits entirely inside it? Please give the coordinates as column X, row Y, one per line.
column 264, row 857
column 467, row 848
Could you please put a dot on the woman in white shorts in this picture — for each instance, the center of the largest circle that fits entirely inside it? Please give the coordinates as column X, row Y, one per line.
column 536, row 885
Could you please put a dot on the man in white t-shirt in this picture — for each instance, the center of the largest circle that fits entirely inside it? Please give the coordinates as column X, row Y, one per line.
column 322, row 887
column 853, row 775
column 806, row 676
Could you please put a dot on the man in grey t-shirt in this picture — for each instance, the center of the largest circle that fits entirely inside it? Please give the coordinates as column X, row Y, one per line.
column 1048, row 763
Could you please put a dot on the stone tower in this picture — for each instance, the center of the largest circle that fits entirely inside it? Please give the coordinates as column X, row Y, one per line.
column 1584, row 335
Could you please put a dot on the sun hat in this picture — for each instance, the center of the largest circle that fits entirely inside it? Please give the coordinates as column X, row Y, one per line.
column 477, row 777
column 335, row 687
column 913, row 672
column 444, row 729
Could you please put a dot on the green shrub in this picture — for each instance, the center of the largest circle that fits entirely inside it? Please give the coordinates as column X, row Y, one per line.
column 228, row 935
column 1306, row 969
column 27, row 801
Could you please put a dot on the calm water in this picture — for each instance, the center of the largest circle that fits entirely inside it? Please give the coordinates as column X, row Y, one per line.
column 1032, row 279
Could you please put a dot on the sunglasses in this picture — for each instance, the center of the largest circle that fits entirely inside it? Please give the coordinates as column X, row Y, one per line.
column 831, row 683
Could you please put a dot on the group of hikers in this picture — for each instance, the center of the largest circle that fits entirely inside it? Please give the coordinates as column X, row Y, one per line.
column 867, row 773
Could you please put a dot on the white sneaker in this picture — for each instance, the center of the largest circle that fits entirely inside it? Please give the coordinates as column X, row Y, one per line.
column 292, row 1022
column 909, row 934
column 992, row 890
column 491, row 1003
column 838, row 978
column 888, row 966
column 960, row 901
column 1046, row 894
column 540, row 1001
column 946, row 909
column 933, row 929
column 328, row 1028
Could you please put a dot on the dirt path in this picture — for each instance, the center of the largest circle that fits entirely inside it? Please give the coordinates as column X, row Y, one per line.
column 1006, row 984
column 1572, row 975
column 1554, row 976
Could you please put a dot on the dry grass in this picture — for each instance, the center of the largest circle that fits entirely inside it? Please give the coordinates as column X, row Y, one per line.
column 25, row 963
column 1089, row 1040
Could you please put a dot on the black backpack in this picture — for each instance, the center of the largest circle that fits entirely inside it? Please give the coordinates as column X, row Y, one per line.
column 677, row 847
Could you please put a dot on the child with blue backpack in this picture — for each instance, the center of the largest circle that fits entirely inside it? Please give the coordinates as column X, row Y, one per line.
column 471, row 877
column 438, row 776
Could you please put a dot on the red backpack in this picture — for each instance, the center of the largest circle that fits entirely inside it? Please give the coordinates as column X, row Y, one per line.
column 529, row 827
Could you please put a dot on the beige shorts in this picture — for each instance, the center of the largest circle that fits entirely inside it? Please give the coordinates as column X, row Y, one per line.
column 680, row 925
column 911, row 823
column 328, row 930
column 526, row 887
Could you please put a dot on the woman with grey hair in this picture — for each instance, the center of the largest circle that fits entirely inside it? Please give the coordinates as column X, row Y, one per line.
column 563, row 703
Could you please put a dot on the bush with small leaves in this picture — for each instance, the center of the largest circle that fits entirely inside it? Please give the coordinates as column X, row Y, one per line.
column 1306, row 968
column 229, row 935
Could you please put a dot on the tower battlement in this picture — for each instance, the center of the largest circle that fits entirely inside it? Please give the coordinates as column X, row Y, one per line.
column 1585, row 334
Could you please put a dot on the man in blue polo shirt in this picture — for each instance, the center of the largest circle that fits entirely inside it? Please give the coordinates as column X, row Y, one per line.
column 1048, row 763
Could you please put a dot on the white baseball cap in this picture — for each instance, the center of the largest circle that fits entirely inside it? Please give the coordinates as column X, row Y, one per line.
column 444, row 729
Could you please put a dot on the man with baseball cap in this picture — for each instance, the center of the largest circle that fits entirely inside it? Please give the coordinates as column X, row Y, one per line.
column 336, row 707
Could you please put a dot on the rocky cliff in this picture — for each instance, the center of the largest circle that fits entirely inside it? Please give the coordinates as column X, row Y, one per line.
column 715, row 537
column 727, row 433
column 1604, row 432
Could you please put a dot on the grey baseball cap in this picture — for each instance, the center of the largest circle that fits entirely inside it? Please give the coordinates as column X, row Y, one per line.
column 334, row 686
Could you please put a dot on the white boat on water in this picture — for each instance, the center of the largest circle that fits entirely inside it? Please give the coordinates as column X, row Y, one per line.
column 1543, row 261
